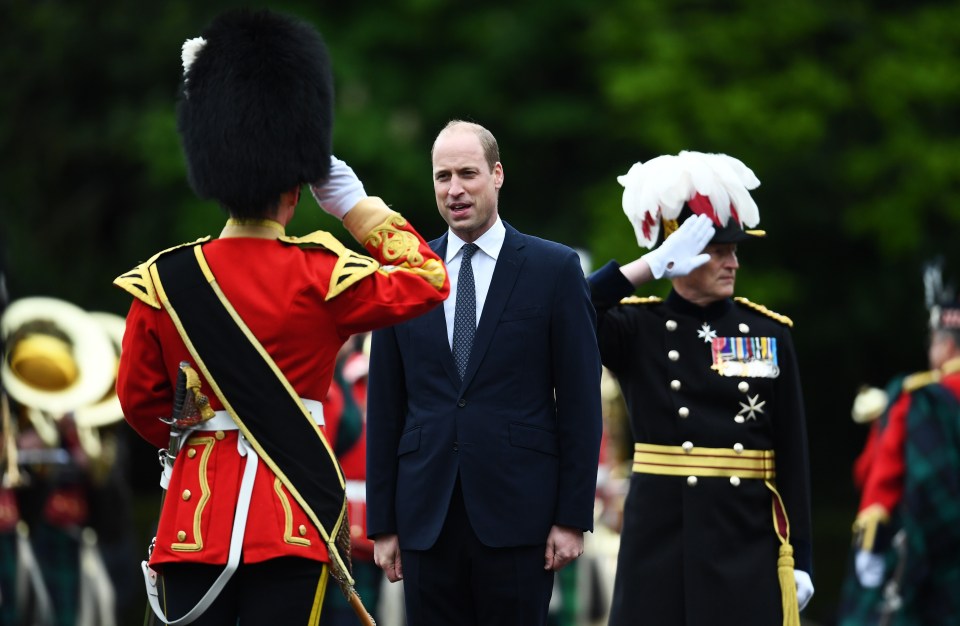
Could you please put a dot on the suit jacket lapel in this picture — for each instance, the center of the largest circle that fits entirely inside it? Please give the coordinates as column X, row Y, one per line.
column 504, row 277
column 436, row 323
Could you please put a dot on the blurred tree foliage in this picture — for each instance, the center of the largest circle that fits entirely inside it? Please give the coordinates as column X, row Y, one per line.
column 847, row 112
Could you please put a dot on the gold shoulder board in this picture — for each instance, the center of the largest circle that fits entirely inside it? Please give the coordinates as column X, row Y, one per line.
column 919, row 380
column 639, row 300
column 137, row 281
column 783, row 319
column 351, row 266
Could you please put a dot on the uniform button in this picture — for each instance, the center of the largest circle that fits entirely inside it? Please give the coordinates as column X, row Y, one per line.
column 671, row 325
column 744, row 329
column 673, row 355
column 191, row 453
column 181, row 536
column 461, row 403
column 692, row 481
column 683, row 412
column 687, row 446
column 675, row 385
column 744, row 386
column 738, row 448
column 738, row 419
column 456, row 446
column 735, row 481
column 219, row 435
column 302, row 530
column 186, row 495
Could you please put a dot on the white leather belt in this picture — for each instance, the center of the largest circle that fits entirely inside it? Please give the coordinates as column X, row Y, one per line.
column 221, row 420
column 233, row 555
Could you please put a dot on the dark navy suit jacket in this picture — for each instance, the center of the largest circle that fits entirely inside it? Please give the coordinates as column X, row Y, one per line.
column 522, row 429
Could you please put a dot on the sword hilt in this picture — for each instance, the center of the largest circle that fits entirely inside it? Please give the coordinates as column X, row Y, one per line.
column 180, row 393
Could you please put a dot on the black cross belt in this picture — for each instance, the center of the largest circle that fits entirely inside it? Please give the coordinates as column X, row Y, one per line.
column 252, row 389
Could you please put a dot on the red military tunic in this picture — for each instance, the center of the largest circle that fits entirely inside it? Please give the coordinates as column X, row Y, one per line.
column 290, row 293
column 884, row 484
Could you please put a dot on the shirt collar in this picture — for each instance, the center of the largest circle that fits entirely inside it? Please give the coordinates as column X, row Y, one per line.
column 490, row 242
column 256, row 228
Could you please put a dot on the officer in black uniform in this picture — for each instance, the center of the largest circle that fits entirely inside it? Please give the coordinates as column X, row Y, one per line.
column 716, row 525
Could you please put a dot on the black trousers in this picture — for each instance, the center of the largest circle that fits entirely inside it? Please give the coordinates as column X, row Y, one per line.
column 461, row 582
column 285, row 590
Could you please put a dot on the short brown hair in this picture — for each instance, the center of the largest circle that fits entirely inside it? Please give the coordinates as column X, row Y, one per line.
column 491, row 151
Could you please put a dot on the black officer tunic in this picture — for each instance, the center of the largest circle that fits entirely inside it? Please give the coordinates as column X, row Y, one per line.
column 703, row 550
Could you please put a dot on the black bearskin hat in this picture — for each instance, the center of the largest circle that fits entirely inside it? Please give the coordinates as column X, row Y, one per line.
column 255, row 114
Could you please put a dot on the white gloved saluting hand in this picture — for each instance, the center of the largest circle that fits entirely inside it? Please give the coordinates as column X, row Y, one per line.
column 682, row 252
column 342, row 191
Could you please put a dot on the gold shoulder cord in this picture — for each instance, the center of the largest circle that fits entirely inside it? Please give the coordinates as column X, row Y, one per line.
column 783, row 319
column 641, row 300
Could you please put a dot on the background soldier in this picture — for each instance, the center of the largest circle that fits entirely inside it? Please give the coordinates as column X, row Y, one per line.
column 914, row 484
column 716, row 410
column 59, row 373
column 262, row 319
column 859, row 605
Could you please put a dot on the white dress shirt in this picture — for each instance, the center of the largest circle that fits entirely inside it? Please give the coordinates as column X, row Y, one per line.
column 484, row 260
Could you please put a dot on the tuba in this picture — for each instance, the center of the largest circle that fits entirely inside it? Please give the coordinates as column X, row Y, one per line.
column 58, row 373
column 58, row 360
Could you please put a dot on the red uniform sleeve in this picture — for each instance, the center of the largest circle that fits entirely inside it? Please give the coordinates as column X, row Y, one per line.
column 411, row 279
column 863, row 462
column 884, row 484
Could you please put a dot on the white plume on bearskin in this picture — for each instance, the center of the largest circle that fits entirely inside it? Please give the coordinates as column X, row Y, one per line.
column 658, row 189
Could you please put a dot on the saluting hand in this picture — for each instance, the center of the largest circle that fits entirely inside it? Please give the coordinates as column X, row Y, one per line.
column 341, row 191
column 682, row 252
column 564, row 544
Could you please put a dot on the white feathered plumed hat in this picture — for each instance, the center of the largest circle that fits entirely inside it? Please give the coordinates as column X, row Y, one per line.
column 668, row 188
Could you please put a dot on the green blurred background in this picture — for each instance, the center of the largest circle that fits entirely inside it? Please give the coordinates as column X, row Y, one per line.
column 848, row 113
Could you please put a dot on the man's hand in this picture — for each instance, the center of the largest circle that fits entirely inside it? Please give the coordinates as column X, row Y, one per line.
column 804, row 587
column 869, row 568
column 680, row 253
column 386, row 554
column 342, row 191
column 564, row 544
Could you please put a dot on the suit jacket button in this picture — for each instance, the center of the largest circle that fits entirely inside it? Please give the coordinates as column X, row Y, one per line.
column 461, row 403
column 456, row 446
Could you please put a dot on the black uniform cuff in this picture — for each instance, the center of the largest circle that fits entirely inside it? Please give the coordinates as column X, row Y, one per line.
column 608, row 285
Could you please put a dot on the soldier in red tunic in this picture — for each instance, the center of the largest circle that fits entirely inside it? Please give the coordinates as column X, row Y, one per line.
column 907, row 530
column 255, row 118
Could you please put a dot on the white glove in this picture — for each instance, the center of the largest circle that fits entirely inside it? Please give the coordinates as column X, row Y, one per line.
column 342, row 191
column 869, row 568
column 680, row 253
column 804, row 587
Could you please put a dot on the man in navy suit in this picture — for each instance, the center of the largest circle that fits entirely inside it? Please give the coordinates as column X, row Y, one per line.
column 483, row 443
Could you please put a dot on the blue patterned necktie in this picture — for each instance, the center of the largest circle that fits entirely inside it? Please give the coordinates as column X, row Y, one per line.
column 465, row 313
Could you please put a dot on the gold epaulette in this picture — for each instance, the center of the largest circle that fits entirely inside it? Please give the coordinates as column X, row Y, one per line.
column 920, row 380
column 783, row 319
column 952, row 366
column 351, row 266
column 643, row 300
column 137, row 281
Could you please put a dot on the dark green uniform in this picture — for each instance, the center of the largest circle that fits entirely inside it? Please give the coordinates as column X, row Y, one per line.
column 701, row 549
